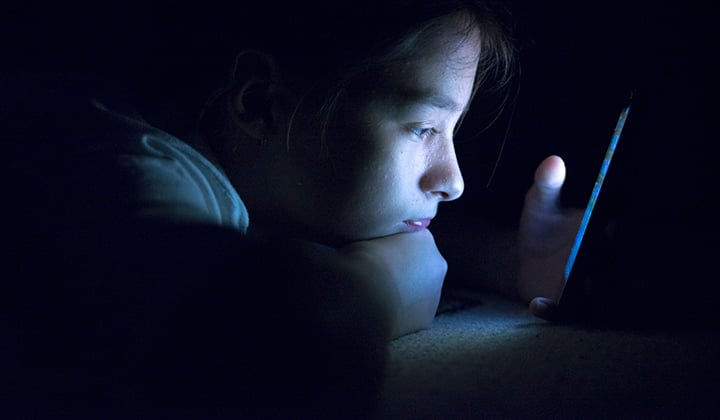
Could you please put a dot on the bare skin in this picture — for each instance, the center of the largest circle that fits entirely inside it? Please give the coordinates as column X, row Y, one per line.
column 545, row 239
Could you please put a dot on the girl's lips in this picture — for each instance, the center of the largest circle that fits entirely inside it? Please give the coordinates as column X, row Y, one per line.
column 417, row 225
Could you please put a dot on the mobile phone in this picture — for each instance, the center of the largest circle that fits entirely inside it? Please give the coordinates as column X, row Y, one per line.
column 585, row 254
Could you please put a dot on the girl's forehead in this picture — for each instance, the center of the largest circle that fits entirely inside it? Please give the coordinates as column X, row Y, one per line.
column 445, row 56
column 441, row 79
column 432, row 44
column 425, row 66
column 447, row 33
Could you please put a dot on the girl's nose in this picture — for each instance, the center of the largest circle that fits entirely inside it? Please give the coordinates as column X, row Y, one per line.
column 442, row 178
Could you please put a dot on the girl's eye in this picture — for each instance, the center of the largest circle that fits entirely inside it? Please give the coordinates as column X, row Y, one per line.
column 423, row 132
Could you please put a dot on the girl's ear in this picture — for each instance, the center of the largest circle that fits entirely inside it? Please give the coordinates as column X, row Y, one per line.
column 257, row 95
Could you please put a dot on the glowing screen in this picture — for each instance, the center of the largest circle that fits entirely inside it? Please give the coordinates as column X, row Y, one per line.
column 596, row 189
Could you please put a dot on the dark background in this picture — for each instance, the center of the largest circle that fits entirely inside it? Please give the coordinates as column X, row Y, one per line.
column 579, row 61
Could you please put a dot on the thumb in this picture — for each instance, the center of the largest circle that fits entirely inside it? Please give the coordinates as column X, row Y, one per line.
column 545, row 308
column 549, row 178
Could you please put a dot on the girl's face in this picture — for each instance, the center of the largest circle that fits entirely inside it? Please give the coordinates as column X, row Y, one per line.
column 391, row 152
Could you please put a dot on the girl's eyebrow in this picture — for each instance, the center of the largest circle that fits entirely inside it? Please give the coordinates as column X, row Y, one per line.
column 427, row 97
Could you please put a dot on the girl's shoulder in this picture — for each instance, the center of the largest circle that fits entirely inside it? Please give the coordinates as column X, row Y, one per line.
column 170, row 177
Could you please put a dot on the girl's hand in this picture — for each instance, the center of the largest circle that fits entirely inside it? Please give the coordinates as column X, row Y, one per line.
column 545, row 239
column 412, row 272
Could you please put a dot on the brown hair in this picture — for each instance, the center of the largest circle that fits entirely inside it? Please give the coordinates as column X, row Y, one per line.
column 330, row 46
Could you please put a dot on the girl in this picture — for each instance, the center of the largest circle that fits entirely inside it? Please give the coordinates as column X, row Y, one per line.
column 277, row 248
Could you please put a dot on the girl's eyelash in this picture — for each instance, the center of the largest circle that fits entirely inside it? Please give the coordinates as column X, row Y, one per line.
column 423, row 132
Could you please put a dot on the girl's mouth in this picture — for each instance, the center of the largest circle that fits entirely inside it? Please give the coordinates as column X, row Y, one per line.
column 417, row 225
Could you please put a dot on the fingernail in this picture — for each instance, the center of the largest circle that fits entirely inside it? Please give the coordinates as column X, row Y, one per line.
column 542, row 304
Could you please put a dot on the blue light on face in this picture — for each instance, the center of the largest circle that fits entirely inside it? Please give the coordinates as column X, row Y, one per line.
column 596, row 189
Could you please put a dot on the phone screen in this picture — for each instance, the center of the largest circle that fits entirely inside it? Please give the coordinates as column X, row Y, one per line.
column 596, row 189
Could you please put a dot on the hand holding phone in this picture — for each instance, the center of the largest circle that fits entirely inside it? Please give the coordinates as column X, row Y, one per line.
column 561, row 249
